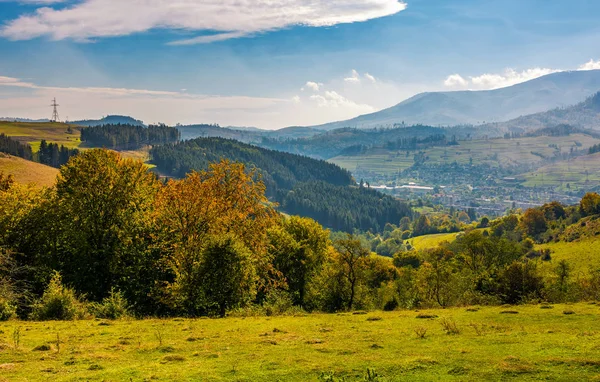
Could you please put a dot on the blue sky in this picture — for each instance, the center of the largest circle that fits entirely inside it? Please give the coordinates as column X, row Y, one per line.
column 276, row 63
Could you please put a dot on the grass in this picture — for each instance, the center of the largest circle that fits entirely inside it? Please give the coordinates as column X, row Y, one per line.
column 581, row 255
column 27, row 172
column 432, row 241
column 486, row 345
column 494, row 152
column 33, row 133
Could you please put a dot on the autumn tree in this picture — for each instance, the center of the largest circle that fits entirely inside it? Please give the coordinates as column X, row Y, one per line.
column 225, row 200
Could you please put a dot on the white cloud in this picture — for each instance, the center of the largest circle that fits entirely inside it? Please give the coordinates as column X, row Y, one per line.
column 509, row 77
column 455, row 80
column 90, row 19
column 590, row 65
column 496, row 80
column 354, row 78
column 370, row 77
column 332, row 98
column 314, row 86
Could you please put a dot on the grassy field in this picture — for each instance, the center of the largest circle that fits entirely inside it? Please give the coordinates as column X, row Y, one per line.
column 581, row 255
column 431, row 241
column 27, row 172
column 490, row 344
column 33, row 133
column 578, row 173
column 494, row 152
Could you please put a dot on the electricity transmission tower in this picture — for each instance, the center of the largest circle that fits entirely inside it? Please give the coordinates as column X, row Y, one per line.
column 55, row 111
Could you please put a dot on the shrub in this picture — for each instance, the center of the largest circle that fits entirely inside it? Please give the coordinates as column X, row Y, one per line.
column 421, row 332
column 58, row 303
column 112, row 307
column 449, row 326
column 7, row 310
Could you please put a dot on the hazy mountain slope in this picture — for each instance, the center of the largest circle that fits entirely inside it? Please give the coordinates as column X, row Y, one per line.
column 109, row 120
column 585, row 115
column 476, row 107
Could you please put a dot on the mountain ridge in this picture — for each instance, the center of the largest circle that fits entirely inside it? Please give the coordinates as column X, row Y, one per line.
column 475, row 107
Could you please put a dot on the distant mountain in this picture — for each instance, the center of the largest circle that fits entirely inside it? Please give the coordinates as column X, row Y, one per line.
column 243, row 134
column 477, row 107
column 109, row 120
column 11, row 119
column 584, row 115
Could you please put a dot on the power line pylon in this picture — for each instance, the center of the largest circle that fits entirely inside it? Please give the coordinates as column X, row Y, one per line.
column 55, row 111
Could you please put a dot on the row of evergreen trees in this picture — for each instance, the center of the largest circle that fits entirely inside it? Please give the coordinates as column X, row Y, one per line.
column 344, row 208
column 129, row 137
column 13, row 147
column 51, row 154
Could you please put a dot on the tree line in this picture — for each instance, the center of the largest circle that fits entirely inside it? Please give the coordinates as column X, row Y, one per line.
column 13, row 147
column 51, row 154
column 129, row 137
column 211, row 243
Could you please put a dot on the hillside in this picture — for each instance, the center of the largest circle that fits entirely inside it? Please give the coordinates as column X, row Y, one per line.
column 302, row 185
column 493, row 152
column 476, row 107
column 27, row 172
column 585, row 114
column 333, row 143
column 246, row 135
column 33, row 132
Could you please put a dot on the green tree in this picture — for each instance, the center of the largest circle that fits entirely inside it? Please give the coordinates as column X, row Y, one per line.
column 590, row 204
column 299, row 247
column 104, row 202
column 352, row 255
column 228, row 276
column 422, row 226
column 534, row 222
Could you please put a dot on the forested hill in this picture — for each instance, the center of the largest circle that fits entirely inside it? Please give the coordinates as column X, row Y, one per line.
column 295, row 182
column 281, row 171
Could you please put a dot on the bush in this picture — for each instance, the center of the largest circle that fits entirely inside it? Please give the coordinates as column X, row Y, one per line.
column 112, row 307
column 7, row 310
column 58, row 303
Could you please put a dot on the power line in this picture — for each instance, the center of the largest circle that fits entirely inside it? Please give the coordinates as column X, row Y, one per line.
column 55, row 117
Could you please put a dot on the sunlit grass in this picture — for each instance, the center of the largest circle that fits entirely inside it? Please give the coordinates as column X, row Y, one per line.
column 535, row 343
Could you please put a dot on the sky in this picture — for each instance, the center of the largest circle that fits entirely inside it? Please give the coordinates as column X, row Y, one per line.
column 276, row 63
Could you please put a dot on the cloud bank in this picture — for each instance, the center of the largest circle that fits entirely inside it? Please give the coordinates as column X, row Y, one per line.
column 509, row 77
column 214, row 20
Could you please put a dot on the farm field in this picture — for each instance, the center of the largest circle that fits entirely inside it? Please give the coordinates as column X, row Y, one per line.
column 495, row 152
column 577, row 173
column 33, row 133
column 27, row 172
column 491, row 343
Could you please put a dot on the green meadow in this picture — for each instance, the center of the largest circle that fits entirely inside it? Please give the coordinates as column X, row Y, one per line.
column 33, row 133
column 529, row 342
